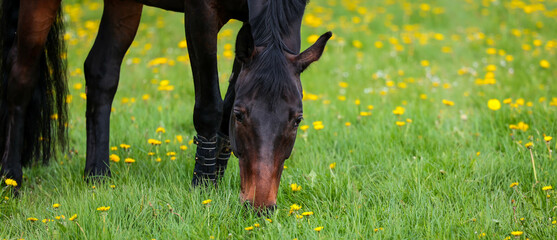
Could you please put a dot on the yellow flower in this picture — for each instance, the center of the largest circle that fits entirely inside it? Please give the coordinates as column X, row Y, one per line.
column 447, row 102
column 112, row 186
column 129, row 160
column 318, row 229
column 249, row 228
column 10, row 182
column 424, row 63
column 494, row 104
column 348, row 124
column 514, row 184
column 529, row 145
column 295, row 187
column 343, row 84
column 183, row 44
column 205, row 202
column 400, row 123
column 73, row 217
column 294, row 207
column 32, row 219
column 547, row 138
column 160, row 130
column 183, row 147
column 257, row 225
column 299, row 216
column 318, row 125
column 364, row 114
column 547, row 188
column 124, row 146
column 114, row 148
column 114, row 158
column 516, row 233
column 103, row 208
column 357, row 44
column 398, row 110
column 269, row 220
column 304, row 127
column 333, row 165
column 544, row 63
column 154, row 141
column 307, row 213
column 56, row 205
column 312, row 38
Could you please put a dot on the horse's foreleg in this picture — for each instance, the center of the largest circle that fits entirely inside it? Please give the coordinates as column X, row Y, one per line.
column 223, row 140
column 117, row 30
column 202, row 25
column 34, row 22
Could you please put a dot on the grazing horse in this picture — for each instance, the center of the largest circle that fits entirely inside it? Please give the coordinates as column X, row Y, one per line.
column 258, row 117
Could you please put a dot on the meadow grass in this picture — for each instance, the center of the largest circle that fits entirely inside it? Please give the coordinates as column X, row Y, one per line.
column 444, row 174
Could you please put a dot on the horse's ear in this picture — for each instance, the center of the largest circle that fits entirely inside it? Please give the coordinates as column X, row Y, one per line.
column 313, row 53
column 245, row 48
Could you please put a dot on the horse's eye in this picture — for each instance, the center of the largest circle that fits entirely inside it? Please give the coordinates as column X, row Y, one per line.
column 239, row 116
column 298, row 120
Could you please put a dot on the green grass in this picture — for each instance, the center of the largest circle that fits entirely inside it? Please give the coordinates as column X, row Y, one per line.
column 445, row 175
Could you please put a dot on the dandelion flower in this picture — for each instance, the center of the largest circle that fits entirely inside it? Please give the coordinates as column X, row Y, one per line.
column 160, row 130
column 257, row 225
column 318, row 229
column 103, row 208
column 547, row 138
column 129, row 160
column 205, row 202
column 398, row 111
column 514, row 184
column 332, row 165
column 547, row 188
column 56, row 205
column 516, row 233
column 544, row 63
column 447, row 102
column 295, row 187
column 529, row 145
column 10, row 182
column 294, row 207
column 73, row 217
column 307, row 213
column 114, row 158
column 494, row 104
column 32, row 219
column 400, row 123
column 249, row 228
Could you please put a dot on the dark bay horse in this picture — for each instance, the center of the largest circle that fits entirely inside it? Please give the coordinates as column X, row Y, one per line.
column 258, row 117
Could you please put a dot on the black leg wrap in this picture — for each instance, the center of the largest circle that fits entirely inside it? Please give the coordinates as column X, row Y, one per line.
column 204, row 171
column 224, row 151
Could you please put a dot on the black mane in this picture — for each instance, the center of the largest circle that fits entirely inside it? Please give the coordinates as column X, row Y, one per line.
column 272, row 21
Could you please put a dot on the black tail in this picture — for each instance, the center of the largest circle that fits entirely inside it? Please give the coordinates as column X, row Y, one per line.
column 46, row 119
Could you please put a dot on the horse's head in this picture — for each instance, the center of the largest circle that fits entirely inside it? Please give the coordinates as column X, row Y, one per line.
column 266, row 113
